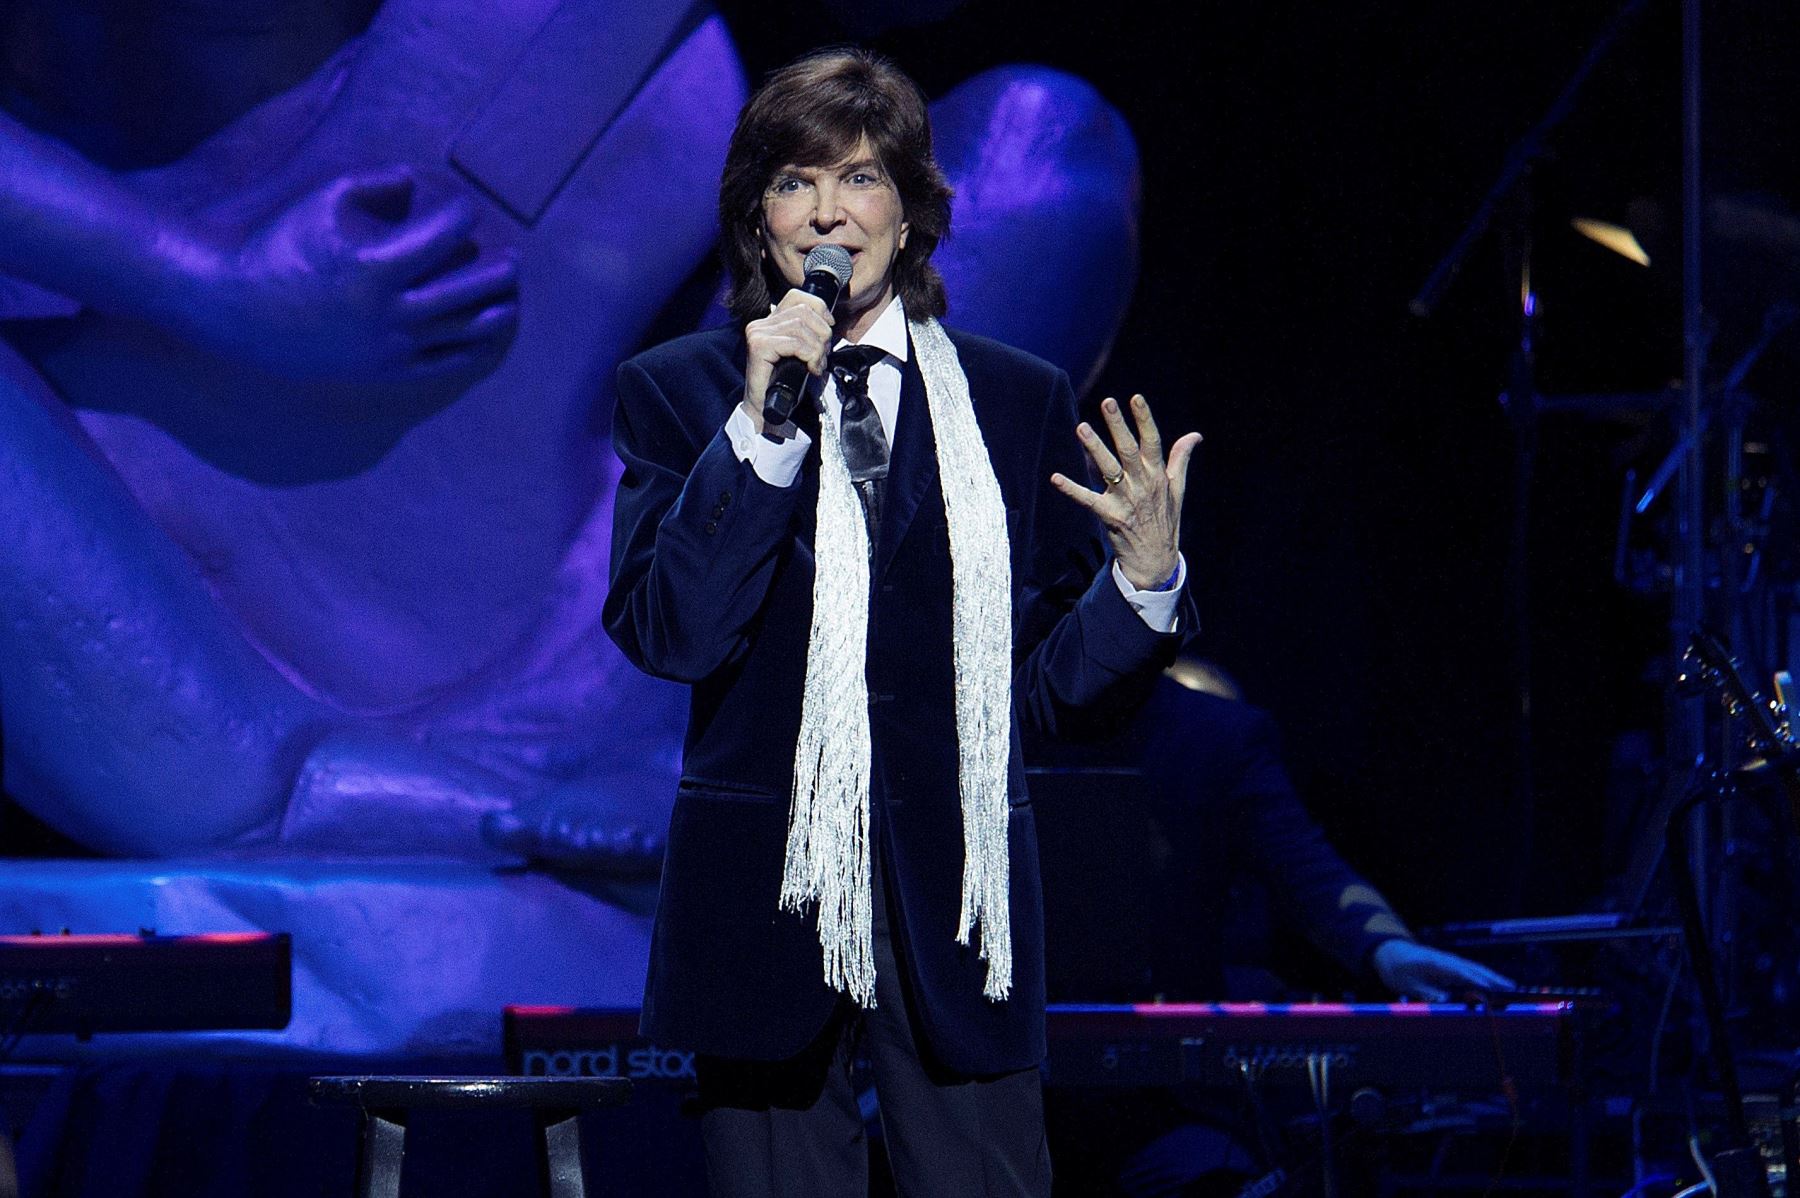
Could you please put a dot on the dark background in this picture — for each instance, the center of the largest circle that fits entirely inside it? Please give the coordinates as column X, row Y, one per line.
column 1305, row 166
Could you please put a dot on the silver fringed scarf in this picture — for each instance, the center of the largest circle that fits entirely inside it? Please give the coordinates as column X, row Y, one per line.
column 828, row 850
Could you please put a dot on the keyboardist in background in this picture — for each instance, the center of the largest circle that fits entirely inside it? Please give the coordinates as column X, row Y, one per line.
column 1148, row 843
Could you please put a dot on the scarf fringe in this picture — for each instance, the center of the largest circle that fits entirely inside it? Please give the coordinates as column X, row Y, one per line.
column 981, row 615
column 828, row 858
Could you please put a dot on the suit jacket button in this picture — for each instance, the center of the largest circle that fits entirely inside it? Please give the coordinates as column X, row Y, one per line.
column 712, row 526
column 724, row 500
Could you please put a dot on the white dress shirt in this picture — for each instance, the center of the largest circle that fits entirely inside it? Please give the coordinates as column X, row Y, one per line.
column 778, row 462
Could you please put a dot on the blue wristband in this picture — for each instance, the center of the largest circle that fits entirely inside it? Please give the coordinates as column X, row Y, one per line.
column 1168, row 584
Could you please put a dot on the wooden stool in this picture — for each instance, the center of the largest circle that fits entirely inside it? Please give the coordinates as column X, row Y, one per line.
column 385, row 1101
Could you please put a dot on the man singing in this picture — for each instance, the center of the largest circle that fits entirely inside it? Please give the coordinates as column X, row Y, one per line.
column 867, row 602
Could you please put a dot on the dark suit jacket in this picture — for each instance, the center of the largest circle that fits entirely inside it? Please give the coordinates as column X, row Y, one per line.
column 1144, row 836
column 712, row 586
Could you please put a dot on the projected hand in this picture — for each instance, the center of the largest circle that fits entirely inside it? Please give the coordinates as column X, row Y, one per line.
column 352, row 284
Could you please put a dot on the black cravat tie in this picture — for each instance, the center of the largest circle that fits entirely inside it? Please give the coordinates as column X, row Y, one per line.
column 860, row 433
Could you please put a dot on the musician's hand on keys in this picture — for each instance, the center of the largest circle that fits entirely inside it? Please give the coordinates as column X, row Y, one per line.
column 1412, row 970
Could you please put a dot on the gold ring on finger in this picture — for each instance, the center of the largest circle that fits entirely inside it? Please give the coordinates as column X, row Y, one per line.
column 1113, row 480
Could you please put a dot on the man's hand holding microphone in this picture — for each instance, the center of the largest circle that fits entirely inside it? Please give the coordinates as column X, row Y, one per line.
column 792, row 342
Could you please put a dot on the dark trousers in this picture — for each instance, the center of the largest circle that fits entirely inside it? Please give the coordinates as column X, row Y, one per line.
column 793, row 1129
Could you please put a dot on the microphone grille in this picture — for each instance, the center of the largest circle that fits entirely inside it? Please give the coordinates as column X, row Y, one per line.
column 833, row 259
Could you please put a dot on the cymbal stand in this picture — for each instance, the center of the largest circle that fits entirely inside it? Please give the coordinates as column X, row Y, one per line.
column 1509, row 194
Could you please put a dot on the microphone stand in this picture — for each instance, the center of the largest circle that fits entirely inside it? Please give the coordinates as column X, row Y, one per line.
column 1510, row 191
column 1519, row 161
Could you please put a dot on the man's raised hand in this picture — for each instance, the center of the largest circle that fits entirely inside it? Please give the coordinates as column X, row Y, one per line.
column 1140, row 507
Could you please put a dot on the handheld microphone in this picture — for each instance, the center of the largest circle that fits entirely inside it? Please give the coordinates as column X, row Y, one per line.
column 827, row 270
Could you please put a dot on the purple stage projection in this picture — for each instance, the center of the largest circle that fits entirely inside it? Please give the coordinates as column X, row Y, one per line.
column 310, row 327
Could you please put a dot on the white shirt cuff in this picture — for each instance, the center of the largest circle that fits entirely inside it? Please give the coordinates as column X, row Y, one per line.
column 1158, row 609
column 775, row 462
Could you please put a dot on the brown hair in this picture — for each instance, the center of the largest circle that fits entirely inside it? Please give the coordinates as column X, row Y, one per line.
column 813, row 112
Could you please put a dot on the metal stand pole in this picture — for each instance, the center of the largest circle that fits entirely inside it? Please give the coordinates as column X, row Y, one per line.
column 1738, row 1166
column 1687, row 722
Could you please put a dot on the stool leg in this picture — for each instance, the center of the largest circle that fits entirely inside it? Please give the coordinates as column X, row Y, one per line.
column 560, row 1165
column 378, row 1161
column 9, row 1173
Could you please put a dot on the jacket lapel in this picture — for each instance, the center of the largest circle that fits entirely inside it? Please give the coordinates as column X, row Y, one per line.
column 912, row 464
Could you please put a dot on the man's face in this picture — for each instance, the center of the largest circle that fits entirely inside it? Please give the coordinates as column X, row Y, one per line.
column 851, row 203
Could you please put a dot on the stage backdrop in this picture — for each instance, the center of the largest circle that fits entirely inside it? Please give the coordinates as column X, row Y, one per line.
column 310, row 326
